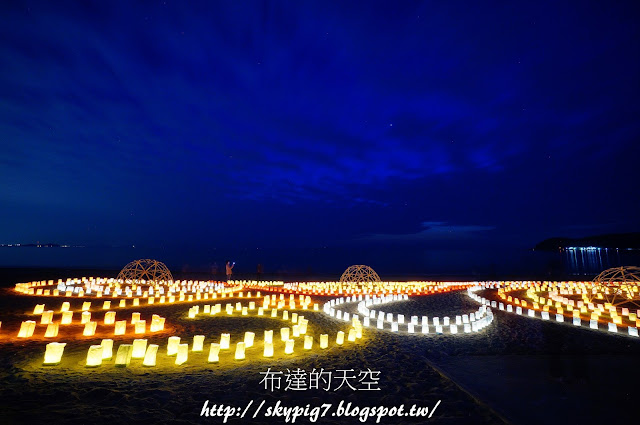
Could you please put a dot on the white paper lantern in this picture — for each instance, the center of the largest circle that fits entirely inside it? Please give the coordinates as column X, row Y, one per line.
column 53, row 352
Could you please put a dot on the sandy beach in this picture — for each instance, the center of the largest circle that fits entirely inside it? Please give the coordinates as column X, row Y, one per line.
column 517, row 370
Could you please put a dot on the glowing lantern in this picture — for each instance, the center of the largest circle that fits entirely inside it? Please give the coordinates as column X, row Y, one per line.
column 139, row 348
column 39, row 309
column 135, row 317
column 94, row 356
column 284, row 334
column 294, row 317
column 274, row 312
column 26, row 329
column 67, row 318
column 252, row 305
column 123, row 356
column 53, row 352
column 225, row 341
column 52, row 330
column 120, row 328
column 198, row 343
column 136, row 302
column 240, row 351
column 172, row 345
column 288, row 346
column 86, row 306
column 89, row 328
column 150, row 355
column 268, row 336
column 157, row 323
column 324, row 341
column 109, row 317
column 285, row 315
column 122, row 304
column 182, row 354
column 340, row 338
column 268, row 349
column 106, row 305
column 296, row 331
column 140, row 326
column 248, row 339
column 352, row 335
column 308, row 342
column 47, row 317
column 214, row 351
column 65, row 306
column 303, row 327
column 107, row 348
column 85, row 317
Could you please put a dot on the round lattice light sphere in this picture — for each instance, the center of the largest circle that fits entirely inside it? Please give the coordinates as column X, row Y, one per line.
column 617, row 286
column 359, row 274
column 145, row 271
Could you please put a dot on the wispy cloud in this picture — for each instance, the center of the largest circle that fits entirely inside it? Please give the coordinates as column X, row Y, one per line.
column 433, row 231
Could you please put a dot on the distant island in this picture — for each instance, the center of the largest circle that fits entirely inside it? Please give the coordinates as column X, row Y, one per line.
column 614, row 240
column 37, row 245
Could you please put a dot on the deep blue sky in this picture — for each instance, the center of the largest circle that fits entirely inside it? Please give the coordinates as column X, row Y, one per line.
column 376, row 129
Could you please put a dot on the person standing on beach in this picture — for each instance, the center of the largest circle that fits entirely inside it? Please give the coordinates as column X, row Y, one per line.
column 229, row 269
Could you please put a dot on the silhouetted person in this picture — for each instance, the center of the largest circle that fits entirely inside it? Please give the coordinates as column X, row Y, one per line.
column 259, row 271
column 229, row 268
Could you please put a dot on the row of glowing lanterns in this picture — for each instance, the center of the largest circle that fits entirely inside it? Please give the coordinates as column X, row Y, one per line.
column 558, row 300
column 473, row 322
column 352, row 288
column 148, row 352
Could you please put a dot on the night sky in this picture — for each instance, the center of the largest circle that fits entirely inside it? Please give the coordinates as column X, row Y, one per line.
column 317, row 133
